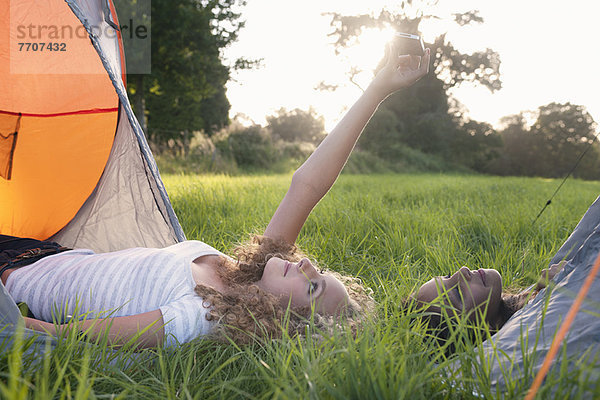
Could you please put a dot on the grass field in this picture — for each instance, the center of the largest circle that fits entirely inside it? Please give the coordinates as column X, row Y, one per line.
column 392, row 231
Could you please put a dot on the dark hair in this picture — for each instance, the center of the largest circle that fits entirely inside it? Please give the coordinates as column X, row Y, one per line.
column 511, row 303
column 440, row 324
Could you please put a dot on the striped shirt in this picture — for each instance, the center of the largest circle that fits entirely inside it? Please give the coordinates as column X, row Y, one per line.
column 126, row 282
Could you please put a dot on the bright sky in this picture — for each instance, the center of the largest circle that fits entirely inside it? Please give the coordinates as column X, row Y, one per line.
column 548, row 49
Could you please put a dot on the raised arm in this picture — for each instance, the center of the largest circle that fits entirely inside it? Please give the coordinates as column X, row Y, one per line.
column 319, row 172
column 120, row 329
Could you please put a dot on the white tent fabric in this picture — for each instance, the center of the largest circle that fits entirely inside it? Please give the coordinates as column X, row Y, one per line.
column 125, row 210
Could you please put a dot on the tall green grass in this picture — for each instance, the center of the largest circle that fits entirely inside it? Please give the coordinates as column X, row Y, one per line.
column 392, row 231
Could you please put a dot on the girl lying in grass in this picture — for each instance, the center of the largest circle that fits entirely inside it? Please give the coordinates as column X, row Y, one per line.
column 175, row 294
column 474, row 294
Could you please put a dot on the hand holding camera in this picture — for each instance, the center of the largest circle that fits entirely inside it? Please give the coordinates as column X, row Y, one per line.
column 405, row 63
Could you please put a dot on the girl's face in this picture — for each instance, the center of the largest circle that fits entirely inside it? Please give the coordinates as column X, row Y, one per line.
column 466, row 291
column 302, row 285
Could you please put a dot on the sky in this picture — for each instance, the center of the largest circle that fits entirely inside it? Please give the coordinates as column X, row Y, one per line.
column 548, row 51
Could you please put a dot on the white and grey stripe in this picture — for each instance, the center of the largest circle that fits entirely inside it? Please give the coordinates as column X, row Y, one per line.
column 121, row 283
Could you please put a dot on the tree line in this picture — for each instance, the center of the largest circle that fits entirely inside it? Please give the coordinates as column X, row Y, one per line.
column 548, row 146
column 184, row 103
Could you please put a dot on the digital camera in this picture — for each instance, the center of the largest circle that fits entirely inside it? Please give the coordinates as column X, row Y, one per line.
column 406, row 43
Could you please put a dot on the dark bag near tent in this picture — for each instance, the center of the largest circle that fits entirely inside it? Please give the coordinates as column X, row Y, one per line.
column 18, row 252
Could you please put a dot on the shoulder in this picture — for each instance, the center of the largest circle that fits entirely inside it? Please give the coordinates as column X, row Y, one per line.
column 186, row 319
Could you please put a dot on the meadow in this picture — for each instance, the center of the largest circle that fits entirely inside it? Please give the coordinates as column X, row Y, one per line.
column 392, row 231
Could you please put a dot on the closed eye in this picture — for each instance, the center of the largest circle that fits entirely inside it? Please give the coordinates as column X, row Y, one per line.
column 456, row 292
column 312, row 287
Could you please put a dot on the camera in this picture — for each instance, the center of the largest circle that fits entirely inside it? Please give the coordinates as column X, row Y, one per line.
column 406, row 43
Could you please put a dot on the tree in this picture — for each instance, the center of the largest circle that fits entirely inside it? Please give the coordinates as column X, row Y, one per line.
column 449, row 65
column 475, row 145
column 425, row 121
column 383, row 125
column 563, row 132
column 186, row 90
column 250, row 147
column 550, row 146
column 519, row 149
column 297, row 125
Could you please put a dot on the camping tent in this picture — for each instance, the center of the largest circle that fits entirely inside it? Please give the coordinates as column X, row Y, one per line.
column 75, row 166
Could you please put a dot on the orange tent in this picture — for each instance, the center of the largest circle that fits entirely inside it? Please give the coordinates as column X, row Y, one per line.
column 74, row 163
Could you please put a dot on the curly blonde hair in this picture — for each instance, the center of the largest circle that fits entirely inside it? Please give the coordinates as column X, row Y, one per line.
column 245, row 312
